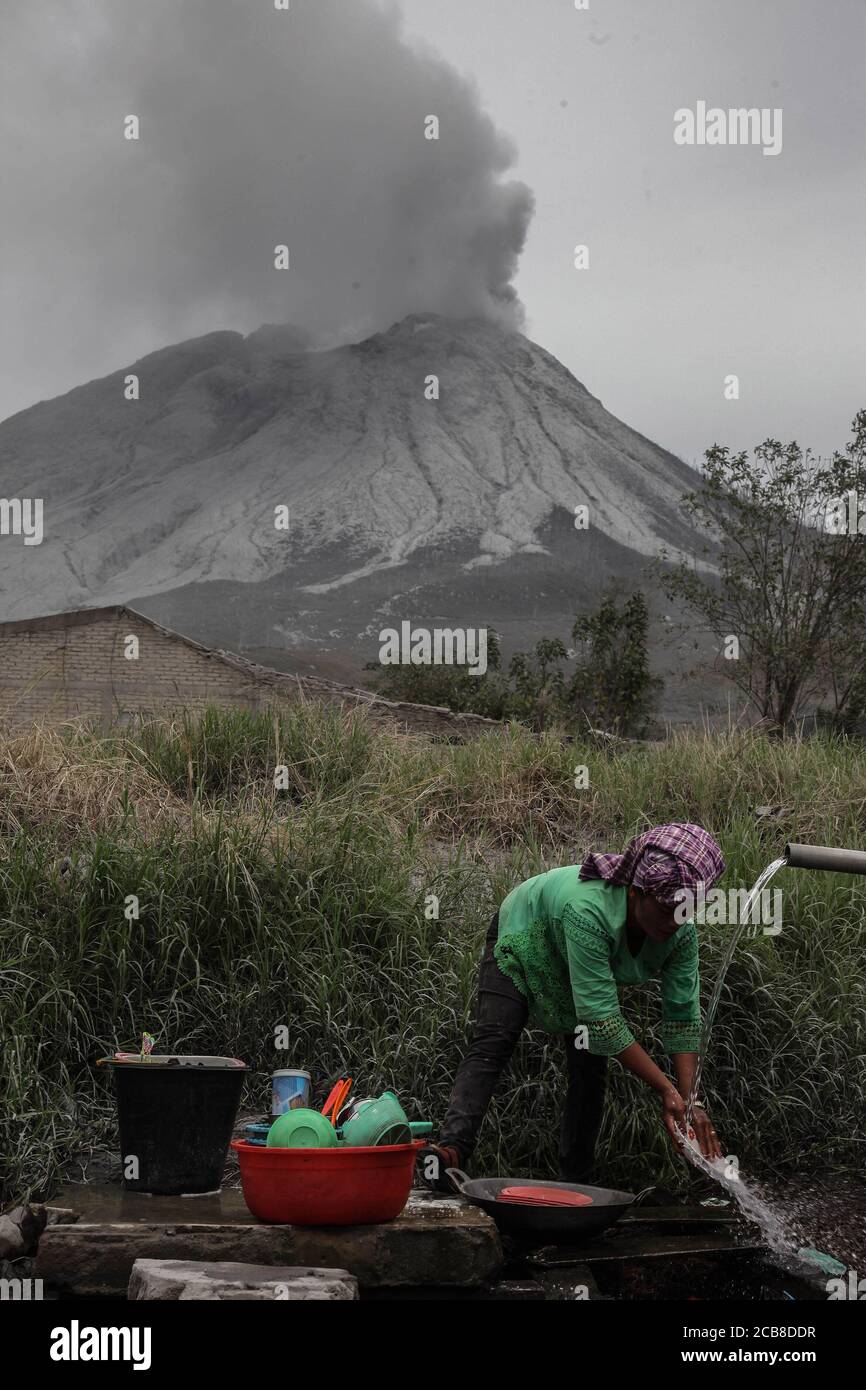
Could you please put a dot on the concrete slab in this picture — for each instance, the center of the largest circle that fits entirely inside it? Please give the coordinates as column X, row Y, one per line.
column 110, row 1202
column 436, row 1241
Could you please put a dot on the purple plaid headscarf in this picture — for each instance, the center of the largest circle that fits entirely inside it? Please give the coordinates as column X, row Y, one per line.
column 662, row 861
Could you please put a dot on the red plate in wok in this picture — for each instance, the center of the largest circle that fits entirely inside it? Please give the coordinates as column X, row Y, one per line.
column 544, row 1197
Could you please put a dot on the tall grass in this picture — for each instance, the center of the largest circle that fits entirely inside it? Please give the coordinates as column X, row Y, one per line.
column 309, row 907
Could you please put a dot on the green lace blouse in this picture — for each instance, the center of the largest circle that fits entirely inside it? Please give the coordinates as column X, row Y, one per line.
column 562, row 941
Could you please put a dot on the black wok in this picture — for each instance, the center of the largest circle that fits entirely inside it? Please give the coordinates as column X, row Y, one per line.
column 545, row 1224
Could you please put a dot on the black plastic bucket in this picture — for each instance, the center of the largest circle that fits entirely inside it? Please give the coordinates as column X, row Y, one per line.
column 176, row 1118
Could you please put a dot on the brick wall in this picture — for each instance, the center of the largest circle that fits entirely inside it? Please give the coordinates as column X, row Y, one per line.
column 70, row 669
column 73, row 666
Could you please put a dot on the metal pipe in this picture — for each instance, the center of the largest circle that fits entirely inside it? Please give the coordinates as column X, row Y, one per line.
column 838, row 861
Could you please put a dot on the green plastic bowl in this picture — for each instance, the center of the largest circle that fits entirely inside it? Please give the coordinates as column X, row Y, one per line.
column 302, row 1129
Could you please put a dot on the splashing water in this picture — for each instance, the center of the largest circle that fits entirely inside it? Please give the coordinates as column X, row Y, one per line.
column 751, row 1203
column 780, row 1238
column 787, row 1235
column 713, row 1005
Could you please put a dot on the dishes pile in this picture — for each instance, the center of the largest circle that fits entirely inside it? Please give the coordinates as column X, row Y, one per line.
column 370, row 1122
column 544, row 1197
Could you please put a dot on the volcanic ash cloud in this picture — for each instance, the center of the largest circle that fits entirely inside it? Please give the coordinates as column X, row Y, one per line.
column 258, row 128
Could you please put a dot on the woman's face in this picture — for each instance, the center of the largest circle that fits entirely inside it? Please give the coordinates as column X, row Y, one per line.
column 652, row 918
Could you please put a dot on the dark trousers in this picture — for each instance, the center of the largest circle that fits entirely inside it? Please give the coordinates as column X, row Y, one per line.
column 500, row 1017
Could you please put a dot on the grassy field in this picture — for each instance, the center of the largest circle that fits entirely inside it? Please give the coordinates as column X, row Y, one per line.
column 305, row 907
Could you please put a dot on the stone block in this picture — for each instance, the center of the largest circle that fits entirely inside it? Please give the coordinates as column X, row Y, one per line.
column 432, row 1243
column 225, row 1280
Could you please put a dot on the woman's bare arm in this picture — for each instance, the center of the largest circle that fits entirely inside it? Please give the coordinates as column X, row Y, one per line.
column 639, row 1062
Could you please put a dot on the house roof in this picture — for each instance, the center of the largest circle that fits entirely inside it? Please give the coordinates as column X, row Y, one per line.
column 262, row 675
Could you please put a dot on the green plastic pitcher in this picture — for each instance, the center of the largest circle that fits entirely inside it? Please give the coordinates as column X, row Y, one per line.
column 381, row 1121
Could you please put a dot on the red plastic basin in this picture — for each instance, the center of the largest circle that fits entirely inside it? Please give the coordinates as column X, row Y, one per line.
column 326, row 1187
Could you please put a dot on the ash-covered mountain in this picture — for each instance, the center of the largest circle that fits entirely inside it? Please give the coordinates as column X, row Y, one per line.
column 457, row 510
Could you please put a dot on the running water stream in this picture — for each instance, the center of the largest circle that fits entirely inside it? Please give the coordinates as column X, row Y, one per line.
column 745, row 919
column 748, row 1198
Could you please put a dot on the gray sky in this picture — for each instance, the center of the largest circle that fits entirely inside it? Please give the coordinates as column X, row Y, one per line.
column 305, row 127
column 704, row 261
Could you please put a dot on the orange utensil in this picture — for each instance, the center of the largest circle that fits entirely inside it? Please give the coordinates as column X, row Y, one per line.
column 332, row 1096
column 337, row 1099
column 341, row 1100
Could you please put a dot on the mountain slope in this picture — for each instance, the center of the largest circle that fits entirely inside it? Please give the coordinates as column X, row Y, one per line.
column 399, row 505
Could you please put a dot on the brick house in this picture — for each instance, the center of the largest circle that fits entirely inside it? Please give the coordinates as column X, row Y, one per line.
column 110, row 664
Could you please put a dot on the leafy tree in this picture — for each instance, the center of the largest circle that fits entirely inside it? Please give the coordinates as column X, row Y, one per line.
column 613, row 687
column 449, row 686
column 538, row 694
column 784, row 576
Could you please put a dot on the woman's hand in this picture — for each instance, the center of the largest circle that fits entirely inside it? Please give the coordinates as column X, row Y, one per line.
column 702, row 1130
column 673, row 1106
column 674, row 1115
